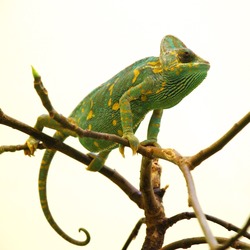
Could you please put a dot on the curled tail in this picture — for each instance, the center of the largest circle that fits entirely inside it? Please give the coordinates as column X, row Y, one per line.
column 44, row 168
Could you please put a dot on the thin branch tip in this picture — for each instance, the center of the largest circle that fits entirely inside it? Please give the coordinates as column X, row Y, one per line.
column 35, row 73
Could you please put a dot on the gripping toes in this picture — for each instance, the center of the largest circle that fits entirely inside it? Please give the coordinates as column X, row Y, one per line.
column 133, row 142
column 150, row 142
column 32, row 144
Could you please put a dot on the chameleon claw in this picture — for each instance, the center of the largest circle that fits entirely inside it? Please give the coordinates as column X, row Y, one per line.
column 121, row 150
column 133, row 142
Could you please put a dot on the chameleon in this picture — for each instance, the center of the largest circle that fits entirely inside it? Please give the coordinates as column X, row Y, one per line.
column 120, row 104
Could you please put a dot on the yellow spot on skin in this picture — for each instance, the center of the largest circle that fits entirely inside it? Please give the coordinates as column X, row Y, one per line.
column 82, row 110
column 91, row 103
column 114, row 122
column 156, row 66
column 41, row 185
column 90, row 115
column 153, row 63
column 44, row 162
column 111, row 89
column 96, row 144
column 124, row 111
column 148, row 92
column 90, row 127
column 116, row 106
column 159, row 90
column 144, row 94
column 120, row 133
column 157, row 70
column 136, row 74
column 109, row 102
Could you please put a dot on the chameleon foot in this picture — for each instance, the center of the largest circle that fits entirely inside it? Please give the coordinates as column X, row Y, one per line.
column 133, row 142
column 32, row 144
column 150, row 142
column 98, row 161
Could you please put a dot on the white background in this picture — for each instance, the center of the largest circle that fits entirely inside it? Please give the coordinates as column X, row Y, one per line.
column 77, row 45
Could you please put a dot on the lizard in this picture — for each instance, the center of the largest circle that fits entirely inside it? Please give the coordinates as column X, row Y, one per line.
column 120, row 104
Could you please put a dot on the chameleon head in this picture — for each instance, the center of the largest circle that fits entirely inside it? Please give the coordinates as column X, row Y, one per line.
column 182, row 68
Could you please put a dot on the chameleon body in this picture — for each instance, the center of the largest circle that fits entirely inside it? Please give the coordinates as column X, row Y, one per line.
column 119, row 105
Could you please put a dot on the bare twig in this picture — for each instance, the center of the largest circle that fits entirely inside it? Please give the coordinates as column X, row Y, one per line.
column 220, row 143
column 189, row 215
column 188, row 242
column 193, row 201
column 14, row 148
column 134, row 233
column 133, row 193
column 196, row 159
column 231, row 241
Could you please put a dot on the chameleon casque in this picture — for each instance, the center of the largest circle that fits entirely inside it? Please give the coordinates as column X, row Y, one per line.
column 119, row 105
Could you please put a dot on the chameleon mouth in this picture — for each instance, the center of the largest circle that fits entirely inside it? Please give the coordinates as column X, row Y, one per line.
column 206, row 65
column 203, row 65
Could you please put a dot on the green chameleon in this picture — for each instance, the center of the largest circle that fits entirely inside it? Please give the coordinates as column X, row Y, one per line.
column 119, row 105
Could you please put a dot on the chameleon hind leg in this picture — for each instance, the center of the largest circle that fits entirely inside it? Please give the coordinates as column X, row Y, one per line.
column 98, row 160
column 48, row 122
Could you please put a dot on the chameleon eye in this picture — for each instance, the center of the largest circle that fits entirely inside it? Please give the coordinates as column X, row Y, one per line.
column 186, row 56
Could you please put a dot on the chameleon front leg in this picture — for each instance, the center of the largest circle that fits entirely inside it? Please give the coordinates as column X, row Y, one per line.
column 127, row 124
column 48, row 122
column 153, row 128
column 134, row 93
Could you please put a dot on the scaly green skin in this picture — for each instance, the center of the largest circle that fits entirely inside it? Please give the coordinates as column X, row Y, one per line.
column 119, row 105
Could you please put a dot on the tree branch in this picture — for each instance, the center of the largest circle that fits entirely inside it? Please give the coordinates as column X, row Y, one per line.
column 14, row 148
column 193, row 201
column 189, row 215
column 52, row 143
column 151, row 205
column 196, row 159
column 188, row 242
column 184, row 165
column 153, row 208
column 134, row 233
column 231, row 241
